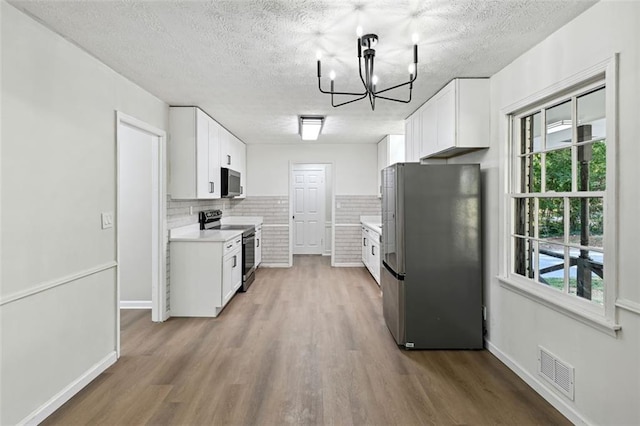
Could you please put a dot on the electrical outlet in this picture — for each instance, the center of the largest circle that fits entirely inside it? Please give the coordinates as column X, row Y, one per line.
column 484, row 313
column 107, row 220
column 190, row 210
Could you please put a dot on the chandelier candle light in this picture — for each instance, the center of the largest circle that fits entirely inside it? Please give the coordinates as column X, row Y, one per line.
column 368, row 78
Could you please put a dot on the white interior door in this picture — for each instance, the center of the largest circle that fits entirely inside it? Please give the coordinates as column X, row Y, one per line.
column 308, row 191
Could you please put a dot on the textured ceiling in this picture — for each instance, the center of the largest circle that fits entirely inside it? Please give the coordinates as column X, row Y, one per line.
column 251, row 63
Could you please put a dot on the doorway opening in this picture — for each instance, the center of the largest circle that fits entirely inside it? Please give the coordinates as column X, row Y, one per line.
column 141, row 240
column 310, row 208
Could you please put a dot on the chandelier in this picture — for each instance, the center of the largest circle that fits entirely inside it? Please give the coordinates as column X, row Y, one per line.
column 366, row 44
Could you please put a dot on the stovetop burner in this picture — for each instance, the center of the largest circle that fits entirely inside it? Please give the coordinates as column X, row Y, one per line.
column 210, row 219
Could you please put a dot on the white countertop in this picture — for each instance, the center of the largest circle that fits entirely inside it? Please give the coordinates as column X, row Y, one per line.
column 372, row 222
column 193, row 233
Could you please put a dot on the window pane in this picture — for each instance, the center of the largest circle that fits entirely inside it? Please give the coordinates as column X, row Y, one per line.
column 531, row 135
column 586, row 211
column 586, row 275
column 592, row 166
column 592, row 123
column 558, row 125
column 531, row 173
column 558, row 170
column 551, row 264
column 523, row 220
column 523, row 257
column 551, row 219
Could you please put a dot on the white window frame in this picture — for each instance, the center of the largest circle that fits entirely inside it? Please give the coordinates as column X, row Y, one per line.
column 601, row 317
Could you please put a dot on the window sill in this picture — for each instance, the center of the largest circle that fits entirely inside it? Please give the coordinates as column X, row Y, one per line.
column 576, row 312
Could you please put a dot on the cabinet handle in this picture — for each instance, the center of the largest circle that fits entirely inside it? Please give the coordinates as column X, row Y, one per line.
column 364, row 242
column 230, row 245
column 235, row 261
column 211, row 187
column 258, row 240
column 373, row 253
column 228, row 160
column 237, row 241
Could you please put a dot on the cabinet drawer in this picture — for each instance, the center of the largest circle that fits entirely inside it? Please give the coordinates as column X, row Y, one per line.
column 232, row 244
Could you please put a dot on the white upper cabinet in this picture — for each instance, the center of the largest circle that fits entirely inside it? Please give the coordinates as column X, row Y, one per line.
column 193, row 154
column 454, row 121
column 233, row 155
column 198, row 147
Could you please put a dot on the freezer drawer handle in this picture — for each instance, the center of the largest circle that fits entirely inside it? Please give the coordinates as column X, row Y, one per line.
column 392, row 272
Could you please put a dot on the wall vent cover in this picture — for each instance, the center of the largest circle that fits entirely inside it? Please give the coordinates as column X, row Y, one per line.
column 557, row 372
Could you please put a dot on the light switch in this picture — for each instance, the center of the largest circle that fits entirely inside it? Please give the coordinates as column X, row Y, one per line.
column 107, row 220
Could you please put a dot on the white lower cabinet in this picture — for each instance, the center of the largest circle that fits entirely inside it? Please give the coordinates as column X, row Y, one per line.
column 371, row 252
column 231, row 272
column 258, row 243
column 205, row 275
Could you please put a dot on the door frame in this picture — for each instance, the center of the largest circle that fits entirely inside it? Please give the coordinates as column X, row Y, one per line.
column 292, row 166
column 159, row 311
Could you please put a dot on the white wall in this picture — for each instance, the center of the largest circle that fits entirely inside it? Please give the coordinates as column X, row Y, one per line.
column 607, row 369
column 58, row 157
column 354, row 166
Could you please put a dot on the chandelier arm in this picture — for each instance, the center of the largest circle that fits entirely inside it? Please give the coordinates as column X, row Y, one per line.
column 404, row 101
column 338, row 93
column 398, row 85
column 348, row 102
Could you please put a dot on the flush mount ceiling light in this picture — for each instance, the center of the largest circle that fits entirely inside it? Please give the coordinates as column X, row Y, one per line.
column 557, row 126
column 368, row 77
column 310, row 126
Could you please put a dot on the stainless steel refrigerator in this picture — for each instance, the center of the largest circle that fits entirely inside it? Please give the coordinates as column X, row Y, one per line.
column 431, row 273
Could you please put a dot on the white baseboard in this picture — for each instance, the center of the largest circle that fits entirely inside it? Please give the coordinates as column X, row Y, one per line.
column 135, row 304
column 275, row 265
column 68, row 392
column 551, row 397
column 349, row 265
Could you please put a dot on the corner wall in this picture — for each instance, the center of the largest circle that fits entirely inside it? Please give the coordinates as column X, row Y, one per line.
column 57, row 299
column 607, row 369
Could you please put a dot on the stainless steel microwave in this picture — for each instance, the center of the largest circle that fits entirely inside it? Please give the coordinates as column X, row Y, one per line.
column 230, row 183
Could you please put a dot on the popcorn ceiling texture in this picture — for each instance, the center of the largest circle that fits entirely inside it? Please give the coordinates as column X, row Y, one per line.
column 251, row 63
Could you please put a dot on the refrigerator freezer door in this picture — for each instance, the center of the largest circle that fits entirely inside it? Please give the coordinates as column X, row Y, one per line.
column 393, row 304
column 393, row 218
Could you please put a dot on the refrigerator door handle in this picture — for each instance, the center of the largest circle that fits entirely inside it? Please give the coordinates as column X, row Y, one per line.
column 392, row 272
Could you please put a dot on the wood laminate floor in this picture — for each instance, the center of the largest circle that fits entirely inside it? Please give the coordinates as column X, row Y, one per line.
column 305, row 345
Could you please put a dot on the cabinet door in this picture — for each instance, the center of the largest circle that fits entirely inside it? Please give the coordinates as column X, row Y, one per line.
column 227, row 278
column 236, row 272
column 382, row 161
column 429, row 137
column 408, row 139
column 226, row 153
column 258, row 248
column 446, row 117
column 365, row 247
column 241, row 164
column 375, row 261
column 204, row 187
column 214, row 158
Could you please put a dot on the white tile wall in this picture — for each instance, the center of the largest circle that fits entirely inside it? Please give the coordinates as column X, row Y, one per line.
column 348, row 233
